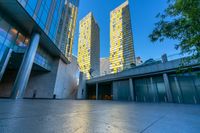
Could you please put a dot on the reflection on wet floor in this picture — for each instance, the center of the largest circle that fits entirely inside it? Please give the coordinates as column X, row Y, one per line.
column 58, row 116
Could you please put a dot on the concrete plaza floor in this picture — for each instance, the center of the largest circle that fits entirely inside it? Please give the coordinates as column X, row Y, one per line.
column 73, row 116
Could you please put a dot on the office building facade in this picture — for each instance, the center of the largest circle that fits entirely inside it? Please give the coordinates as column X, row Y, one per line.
column 66, row 29
column 122, row 54
column 46, row 14
column 29, row 56
column 89, row 46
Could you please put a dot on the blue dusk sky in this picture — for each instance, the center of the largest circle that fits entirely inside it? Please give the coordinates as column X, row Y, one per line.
column 143, row 14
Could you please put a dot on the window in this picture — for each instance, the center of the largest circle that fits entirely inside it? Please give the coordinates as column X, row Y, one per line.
column 4, row 27
column 30, row 7
column 43, row 13
column 10, row 39
column 23, row 2
column 20, row 40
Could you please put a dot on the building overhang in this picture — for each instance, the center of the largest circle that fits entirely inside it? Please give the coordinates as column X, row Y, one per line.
column 22, row 19
column 16, row 59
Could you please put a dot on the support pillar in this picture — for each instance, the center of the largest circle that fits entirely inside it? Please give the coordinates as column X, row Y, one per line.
column 5, row 63
column 131, row 89
column 25, row 68
column 97, row 90
column 167, row 86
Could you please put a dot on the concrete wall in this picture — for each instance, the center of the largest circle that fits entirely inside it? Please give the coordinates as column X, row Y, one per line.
column 66, row 85
column 60, row 82
column 82, row 87
column 42, row 83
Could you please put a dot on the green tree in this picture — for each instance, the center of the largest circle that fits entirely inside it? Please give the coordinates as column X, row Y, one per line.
column 180, row 21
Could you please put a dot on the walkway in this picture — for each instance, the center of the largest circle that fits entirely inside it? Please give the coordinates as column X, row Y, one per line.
column 71, row 116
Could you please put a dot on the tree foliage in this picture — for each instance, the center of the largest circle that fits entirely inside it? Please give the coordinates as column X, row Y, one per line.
column 180, row 21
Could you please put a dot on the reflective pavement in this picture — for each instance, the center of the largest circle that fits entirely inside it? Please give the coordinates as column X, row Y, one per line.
column 74, row 116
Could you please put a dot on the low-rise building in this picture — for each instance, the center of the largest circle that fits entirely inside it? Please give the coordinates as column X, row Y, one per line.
column 153, row 82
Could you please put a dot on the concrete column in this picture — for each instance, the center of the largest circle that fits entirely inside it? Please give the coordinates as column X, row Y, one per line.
column 25, row 68
column 5, row 63
column 97, row 90
column 131, row 89
column 167, row 86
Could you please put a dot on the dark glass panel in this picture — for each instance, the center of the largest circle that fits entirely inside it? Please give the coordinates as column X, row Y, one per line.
column 31, row 5
column 176, row 92
column 4, row 27
column 162, row 95
column 10, row 39
column 197, row 84
column 123, row 90
column 187, row 88
column 141, row 90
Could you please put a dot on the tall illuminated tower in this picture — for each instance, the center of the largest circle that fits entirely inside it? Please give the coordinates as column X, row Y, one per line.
column 122, row 55
column 89, row 46
column 66, row 29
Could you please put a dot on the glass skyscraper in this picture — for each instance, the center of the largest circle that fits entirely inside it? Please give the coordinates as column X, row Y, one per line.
column 28, row 31
column 46, row 14
column 66, row 29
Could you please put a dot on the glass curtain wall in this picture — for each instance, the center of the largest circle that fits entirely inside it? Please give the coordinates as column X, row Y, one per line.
column 185, row 88
column 10, row 37
column 196, row 79
column 141, row 90
column 151, row 89
column 46, row 13
column 161, row 90
column 123, row 90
